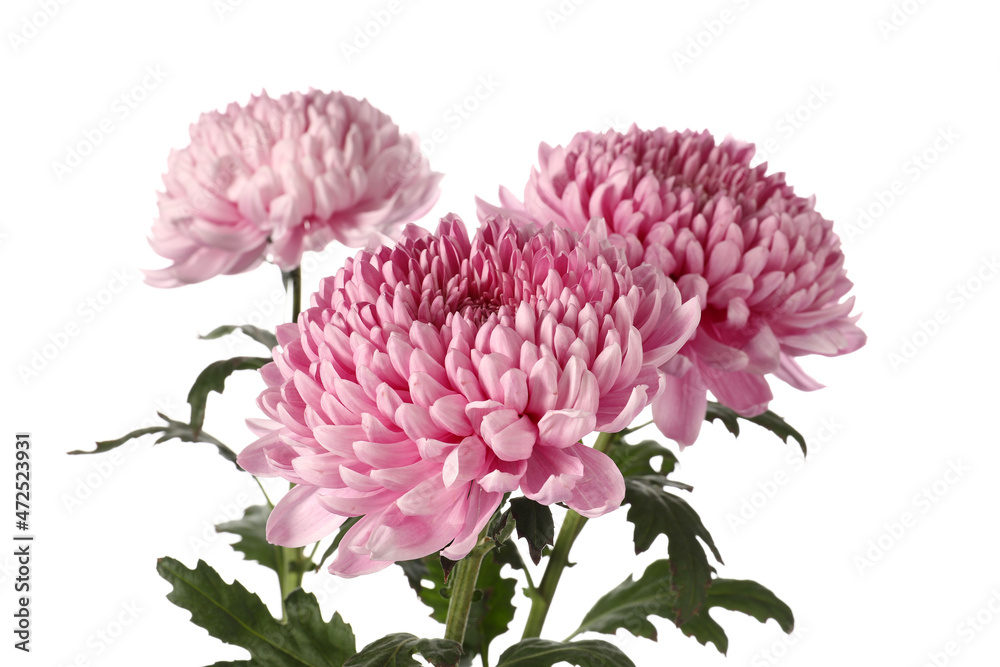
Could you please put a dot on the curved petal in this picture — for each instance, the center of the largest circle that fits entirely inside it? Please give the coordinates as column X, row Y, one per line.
column 299, row 519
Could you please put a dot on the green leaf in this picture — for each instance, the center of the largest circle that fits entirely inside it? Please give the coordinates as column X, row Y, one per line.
column 545, row 653
column 251, row 529
column 397, row 651
column 416, row 571
column 533, row 523
column 108, row 445
column 744, row 596
column 172, row 429
column 636, row 460
column 727, row 416
column 489, row 617
column 213, row 378
column 262, row 336
column 508, row 554
column 236, row 616
column 768, row 420
column 655, row 512
column 630, row 604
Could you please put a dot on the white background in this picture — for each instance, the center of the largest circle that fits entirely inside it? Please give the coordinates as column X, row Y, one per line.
column 882, row 432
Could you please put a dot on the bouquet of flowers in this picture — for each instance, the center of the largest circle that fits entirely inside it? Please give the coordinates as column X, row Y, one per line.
column 436, row 398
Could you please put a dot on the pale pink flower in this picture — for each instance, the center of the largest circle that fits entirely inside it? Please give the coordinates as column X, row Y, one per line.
column 430, row 378
column 277, row 177
column 765, row 266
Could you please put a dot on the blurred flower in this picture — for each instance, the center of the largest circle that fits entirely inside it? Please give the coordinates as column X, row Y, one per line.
column 765, row 266
column 430, row 378
column 278, row 177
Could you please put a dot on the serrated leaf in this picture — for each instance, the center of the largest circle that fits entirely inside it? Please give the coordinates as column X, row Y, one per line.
column 416, row 571
column 213, row 378
column 636, row 460
column 108, row 445
column 489, row 617
column 630, row 604
column 740, row 595
column 508, row 554
column 778, row 426
column 655, row 511
column 236, row 616
column 173, row 429
column 546, row 653
column 262, row 336
column 397, row 651
column 252, row 543
column 727, row 416
column 769, row 420
column 533, row 523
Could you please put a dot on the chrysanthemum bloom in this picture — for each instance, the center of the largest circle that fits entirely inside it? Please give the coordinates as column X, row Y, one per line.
column 430, row 378
column 765, row 266
column 274, row 178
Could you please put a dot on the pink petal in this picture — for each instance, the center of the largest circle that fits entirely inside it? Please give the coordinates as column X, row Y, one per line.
column 680, row 410
column 601, row 489
column 299, row 519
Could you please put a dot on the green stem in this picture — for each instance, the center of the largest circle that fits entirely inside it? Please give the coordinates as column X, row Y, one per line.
column 463, row 588
column 291, row 560
column 559, row 559
column 289, row 573
column 293, row 283
column 633, row 429
column 264, row 491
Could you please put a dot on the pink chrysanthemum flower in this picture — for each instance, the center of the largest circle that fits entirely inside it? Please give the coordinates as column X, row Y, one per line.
column 430, row 378
column 765, row 266
column 275, row 178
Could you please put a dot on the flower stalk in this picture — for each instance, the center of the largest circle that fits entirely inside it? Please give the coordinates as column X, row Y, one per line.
column 291, row 560
column 571, row 527
column 463, row 589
